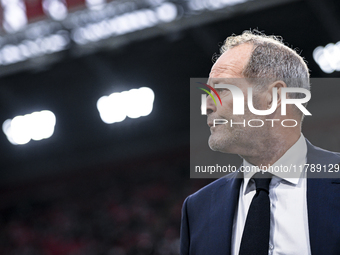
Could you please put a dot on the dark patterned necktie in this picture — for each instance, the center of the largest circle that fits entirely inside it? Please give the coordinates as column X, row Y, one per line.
column 255, row 238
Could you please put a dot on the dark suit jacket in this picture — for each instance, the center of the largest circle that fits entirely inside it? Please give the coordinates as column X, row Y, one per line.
column 208, row 214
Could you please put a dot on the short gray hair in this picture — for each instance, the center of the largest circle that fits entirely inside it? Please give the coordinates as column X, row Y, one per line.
column 271, row 60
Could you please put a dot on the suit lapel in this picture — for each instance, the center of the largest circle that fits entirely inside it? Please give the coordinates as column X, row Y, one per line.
column 224, row 200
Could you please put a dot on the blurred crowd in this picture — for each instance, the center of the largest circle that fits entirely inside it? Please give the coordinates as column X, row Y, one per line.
column 120, row 209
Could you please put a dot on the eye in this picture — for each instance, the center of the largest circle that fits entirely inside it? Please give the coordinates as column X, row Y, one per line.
column 221, row 91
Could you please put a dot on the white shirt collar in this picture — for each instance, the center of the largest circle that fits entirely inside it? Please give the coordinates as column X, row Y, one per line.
column 294, row 157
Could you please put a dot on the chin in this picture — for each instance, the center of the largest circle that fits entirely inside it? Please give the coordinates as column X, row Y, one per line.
column 212, row 147
column 216, row 144
column 224, row 144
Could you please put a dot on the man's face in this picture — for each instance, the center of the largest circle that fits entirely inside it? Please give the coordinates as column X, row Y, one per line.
column 228, row 70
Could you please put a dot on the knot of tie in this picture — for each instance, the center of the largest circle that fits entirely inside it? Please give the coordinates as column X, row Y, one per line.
column 262, row 181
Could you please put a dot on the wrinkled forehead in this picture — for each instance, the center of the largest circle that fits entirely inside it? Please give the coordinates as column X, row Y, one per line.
column 229, row 68
column 228, row 81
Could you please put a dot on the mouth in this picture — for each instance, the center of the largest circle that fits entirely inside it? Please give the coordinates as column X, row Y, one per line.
column 210, row 121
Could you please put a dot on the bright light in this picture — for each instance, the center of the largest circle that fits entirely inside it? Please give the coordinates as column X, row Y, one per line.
column 108, row 107
column 200, row 5
column 14, row 15
column 167, row 12
column 125, row 23
column 56, row 9
column 328, row 57
column 95, row 4
column 10, row 54
column 134, row 103
column 36, row 126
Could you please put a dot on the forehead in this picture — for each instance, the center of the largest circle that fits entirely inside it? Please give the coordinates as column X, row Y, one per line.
column 213, row 81
column 232, row 62
column 239, row 82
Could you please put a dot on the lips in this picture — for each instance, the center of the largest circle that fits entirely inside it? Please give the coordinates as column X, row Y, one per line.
column 210, row 120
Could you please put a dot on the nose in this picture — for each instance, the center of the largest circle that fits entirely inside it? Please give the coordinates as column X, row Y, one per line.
column 211, row 107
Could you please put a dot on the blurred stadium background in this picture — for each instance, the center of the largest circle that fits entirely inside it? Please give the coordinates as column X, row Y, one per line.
column 71, row 182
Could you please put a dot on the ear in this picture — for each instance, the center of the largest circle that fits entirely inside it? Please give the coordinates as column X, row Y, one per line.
column 269, row 96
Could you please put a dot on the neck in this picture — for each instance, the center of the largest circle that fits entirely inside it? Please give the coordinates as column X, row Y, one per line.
column 271, row 149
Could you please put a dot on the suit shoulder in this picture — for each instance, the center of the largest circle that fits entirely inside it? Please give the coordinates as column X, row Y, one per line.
column 206, row 191
column 321, row 153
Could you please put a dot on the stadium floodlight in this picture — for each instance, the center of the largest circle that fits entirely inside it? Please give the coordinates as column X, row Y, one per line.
column 134, row 103
column 95, row 4
column 35, row 126
column 56, row 9
column 124, row 23
column 201, row 5
column 27, row 49
column 328, row 57
column 14, row 15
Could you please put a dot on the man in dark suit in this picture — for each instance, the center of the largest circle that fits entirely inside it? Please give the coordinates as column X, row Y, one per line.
column 292, row 213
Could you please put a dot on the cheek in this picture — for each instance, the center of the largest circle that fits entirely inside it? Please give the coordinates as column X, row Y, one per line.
column 226, row 108
column 224, row 111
